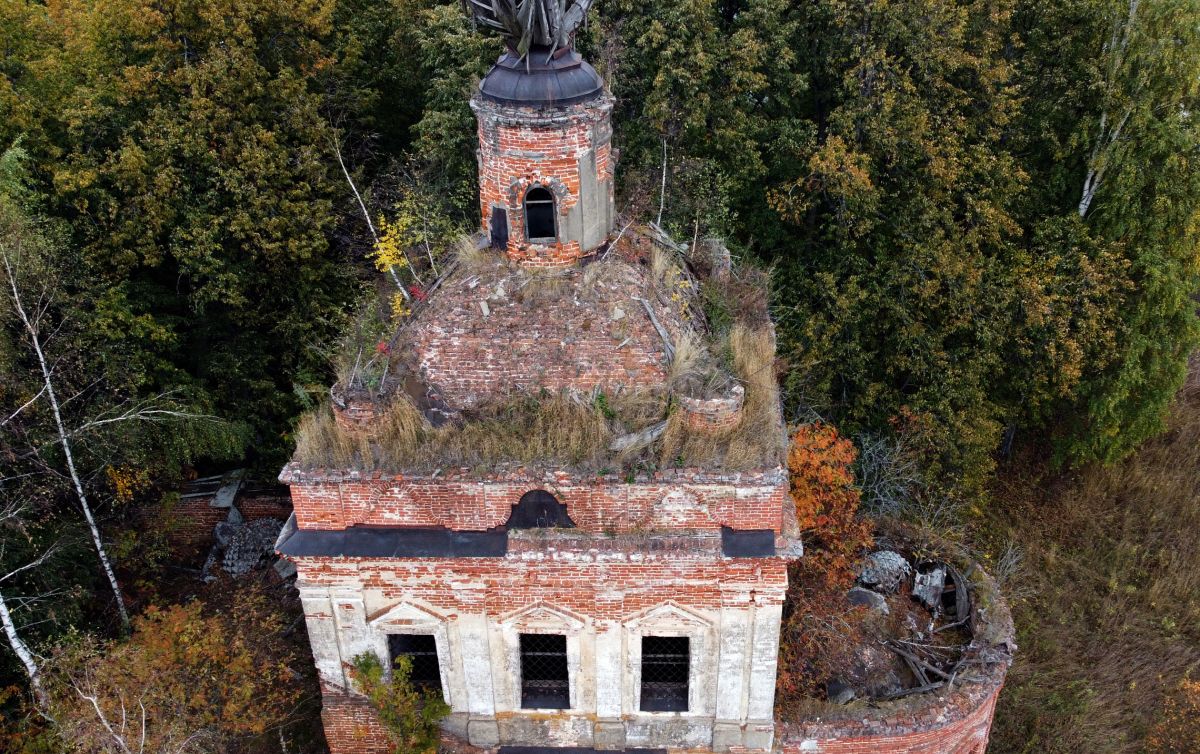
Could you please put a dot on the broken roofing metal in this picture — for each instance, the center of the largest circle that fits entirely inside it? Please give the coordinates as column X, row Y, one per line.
column 529, row 24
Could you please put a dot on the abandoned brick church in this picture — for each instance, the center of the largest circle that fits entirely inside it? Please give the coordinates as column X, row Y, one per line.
column 585, row 599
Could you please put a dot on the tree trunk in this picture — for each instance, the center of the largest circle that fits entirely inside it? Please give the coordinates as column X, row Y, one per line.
column 47, row 379
column 21, row 650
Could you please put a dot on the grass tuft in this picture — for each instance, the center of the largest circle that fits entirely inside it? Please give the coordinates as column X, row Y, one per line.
column 1109, row 598
column 758, row 439
column 554, row 430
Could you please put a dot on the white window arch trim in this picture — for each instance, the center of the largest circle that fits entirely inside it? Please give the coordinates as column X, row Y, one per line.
column 408, row 618
column 672, row 619
column 539, row 618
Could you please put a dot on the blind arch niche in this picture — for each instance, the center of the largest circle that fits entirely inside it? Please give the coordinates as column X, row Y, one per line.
column 538, row 509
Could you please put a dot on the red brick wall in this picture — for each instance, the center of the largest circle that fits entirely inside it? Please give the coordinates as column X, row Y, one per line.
column 351, row 726
column 956, row 726
column 255, row 507
column 511, row 585
column 605, row 506
column 585, row 337
column 191, row 522
column 520, row 148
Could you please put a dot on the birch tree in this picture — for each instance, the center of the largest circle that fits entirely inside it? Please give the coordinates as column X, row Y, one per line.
column 31, row 311
column 1147, row 74
column 11, row 522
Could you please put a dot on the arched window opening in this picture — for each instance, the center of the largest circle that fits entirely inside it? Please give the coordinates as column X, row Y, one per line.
column 539, row 510
column 539, row 216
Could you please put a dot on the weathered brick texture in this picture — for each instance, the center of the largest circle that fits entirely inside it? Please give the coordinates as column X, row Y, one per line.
column 959, row 725
column 351, row 725
column 520, row 148
column 602, row 505
column 484, row 337
column 580, row 582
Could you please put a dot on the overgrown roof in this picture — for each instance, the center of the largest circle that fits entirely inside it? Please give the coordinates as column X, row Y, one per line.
column 580, row 369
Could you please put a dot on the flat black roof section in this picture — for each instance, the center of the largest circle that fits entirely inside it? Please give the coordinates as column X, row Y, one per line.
column 749, row 543
column 382, row 542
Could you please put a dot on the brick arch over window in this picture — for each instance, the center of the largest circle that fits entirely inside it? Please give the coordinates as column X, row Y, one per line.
column 541, row 223
column 538, row 509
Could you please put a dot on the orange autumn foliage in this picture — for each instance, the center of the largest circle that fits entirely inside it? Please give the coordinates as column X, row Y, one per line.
column 822, row 486
column 186, row 679
column 821, row 630
column 1178, row 727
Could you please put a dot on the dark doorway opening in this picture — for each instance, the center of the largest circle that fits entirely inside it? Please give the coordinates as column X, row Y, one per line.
column 666, row 661
column 539, row 510
column 499, row 228
column 421, row 650
column 539, row 216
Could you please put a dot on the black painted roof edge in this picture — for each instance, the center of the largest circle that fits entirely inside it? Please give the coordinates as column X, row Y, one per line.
column 383, row 542
column 538, row 80
column 747, row 543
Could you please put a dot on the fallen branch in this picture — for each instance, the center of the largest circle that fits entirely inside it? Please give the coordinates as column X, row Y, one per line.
column 662, row 332
column 638, row 439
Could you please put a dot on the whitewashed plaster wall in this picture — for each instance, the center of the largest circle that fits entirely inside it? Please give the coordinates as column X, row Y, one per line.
column 731, row 678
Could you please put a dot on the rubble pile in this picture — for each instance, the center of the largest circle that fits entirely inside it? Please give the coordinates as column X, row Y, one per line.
column 241, row 546
column 919, row 634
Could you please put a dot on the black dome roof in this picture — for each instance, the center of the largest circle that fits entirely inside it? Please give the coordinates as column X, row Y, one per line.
column 540, row 80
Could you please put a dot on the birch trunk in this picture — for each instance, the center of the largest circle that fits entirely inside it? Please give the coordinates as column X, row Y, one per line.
column 370, row 225
column 35, row 339
column 1108, row 135
column 21, row 650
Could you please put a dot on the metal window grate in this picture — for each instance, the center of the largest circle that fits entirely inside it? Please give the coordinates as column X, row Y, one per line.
column 539, row 215
column 421, row 650
column 544, row 680
column 666, row 661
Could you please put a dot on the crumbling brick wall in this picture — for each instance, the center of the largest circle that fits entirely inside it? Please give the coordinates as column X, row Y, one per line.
column 524, row 147
column 958, row 724
column 682, row 499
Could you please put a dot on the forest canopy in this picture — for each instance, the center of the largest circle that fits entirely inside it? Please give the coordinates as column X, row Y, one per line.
column 980, row 219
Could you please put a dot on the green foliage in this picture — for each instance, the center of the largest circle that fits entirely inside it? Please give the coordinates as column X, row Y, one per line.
column 453, row 59
column 1113, row 85
column 409, row 716
column 185, row 145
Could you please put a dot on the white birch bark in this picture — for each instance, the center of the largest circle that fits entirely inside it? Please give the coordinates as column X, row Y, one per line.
column 370, row 225
column 1108, row 134
column 35, row 338
column 23, row 653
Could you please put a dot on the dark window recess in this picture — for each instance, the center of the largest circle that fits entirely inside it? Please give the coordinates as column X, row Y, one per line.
column 665, row 664
column 539, row 510
column 544, row 682
column 539, row 215
column 421, row 650
column 499, row 228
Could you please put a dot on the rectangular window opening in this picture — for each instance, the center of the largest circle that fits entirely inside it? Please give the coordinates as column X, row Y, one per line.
column 421, row 650
column 666, row 661
column 544, row 681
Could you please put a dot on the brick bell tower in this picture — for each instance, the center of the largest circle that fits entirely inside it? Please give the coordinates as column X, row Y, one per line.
column 605, row 594
column 545, row 156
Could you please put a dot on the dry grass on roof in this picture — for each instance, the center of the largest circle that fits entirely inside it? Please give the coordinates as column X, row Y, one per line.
column 554, row 430
column 758, row 439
